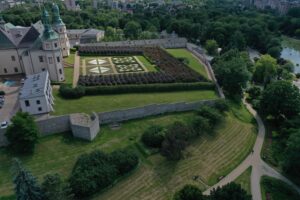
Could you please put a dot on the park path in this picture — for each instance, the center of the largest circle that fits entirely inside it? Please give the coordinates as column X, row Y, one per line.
column 259, row 167
column 76, row 69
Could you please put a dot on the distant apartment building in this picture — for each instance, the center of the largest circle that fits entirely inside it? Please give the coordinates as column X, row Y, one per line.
column 36, row 94
column 6, row 4
column 282, row 6
column 84, row 36
column 72, row 5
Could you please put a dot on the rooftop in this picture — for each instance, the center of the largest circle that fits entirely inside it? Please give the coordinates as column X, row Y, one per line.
column 34, row 85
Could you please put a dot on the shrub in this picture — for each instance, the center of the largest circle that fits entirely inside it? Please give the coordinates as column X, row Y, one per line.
column 201, row 125
column 153, row 136
column 66, row 91
column 73, row 50
column 95, row 171
column 254, row 92
column 211, row 114
column 221, row 105
column 2, row 92
column 298, row 75
column 189, row 192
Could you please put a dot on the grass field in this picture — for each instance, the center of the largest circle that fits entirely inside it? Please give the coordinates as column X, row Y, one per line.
column 277, row 190
column 101, row 103
column 147, row 64
column 244, row 180
column 70, row 59
column 290, row 42
column 193, row 62
column 207, row 157
column 69, row 75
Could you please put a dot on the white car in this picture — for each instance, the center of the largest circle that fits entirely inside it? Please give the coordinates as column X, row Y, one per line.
column 4, row 124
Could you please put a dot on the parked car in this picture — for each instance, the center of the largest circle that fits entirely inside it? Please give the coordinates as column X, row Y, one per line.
column 4, row 124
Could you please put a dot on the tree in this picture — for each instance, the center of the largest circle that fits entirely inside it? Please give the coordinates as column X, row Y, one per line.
column 153, row 136
column 55, row 189
column 175, row 141
column 22, row 134
column 231, row 191
column 132, row 30
column 265, row 70
column 280, row 99
column 189, row 192
column 26, row 186
column 212, row 47
column 232, row 74
column 237, row 41
column 291, row 162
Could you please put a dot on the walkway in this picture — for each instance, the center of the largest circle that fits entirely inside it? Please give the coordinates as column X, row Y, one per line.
column 76, row 69
column 259, row 167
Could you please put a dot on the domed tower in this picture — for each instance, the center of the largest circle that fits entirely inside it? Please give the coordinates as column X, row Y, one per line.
column 60, row 28
column 52, row 50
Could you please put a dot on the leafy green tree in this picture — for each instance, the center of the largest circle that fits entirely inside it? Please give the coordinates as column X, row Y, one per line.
column 26, row 186
column 212, row 47
column 280, row 99
column 55, row 189
column 153, row 136
column 291, row 162
column 175, row 141
column 22, row 134
column 237, row 41
column 189, row 192
column 265, row 70
column 124, row 161
column 201, row 125
column 275, row 51
column 231, row 191
column 132, row 30
column 211, row 114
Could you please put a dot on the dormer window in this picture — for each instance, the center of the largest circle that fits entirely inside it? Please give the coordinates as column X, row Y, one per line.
column 55, row 45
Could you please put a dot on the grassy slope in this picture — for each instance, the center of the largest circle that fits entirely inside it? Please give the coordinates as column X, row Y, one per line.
column 277, row 190
column 69, row 75
column 70, row 59
column 208, row 157
column 193, row 62
column 113, row 102
column 244, row 180
column 147, row 64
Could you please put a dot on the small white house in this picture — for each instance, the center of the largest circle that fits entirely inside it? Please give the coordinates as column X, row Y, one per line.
column 36, row 94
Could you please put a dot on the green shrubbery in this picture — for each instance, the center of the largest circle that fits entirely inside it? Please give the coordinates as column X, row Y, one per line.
column 95, row 171
column 66, row 91
column 2, row 92
column 153, row 136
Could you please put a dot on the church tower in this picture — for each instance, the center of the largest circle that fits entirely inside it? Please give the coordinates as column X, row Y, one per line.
column 52, row 50
column 60, row 28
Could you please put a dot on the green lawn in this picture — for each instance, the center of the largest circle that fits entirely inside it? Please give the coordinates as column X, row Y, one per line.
column 245, row 180
column 208, row 157
column 290, row 42
column 69, row 74
column 147, row 64
column 102, row 103
column 277, row 190
column 70, row 59
column 193, row 62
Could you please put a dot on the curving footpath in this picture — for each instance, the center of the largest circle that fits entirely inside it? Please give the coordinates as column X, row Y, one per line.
column 259, row 167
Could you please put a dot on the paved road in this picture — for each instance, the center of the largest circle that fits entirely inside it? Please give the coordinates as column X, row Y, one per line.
column 76, row 69
column 259, row 167
column 11, row 104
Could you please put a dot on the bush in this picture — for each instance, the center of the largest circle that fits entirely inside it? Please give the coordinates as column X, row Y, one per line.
column 153, row 136
column 73, row 50
column 201, row 125
column 95, row 171
column 66, row 91
column 298, row 75
column 145, row 88
column 189, row 192
column 221, row 105
column 2, row 92
column 254, row 92
column 211, row 114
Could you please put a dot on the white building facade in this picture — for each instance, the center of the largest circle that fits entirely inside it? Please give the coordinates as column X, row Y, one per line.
column 36, row 94
column 34, row 49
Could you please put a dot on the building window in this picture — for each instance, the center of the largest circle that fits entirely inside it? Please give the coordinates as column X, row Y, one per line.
column 16, row 69
column 50, row 60
column 38, row 102
column 60, row 71
column 13, row 58
column 47, row 46
column 5, row 70
column 41, row 58
column 27, row 104
column 43, row 69
column 58, row 59
column 40, row 108
column 55, row 45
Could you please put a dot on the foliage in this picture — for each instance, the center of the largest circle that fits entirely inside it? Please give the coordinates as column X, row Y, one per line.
column 221, row 105
column 231, row 71
column 132, row 30
column 212, row 47
column 22, row 133
column 210, row 113
column 189, row 192
column 2, row 92
column 95, row 171
column 26, row 186
column 265, row 70
column 201, row 125
column 175, row 141
column 231, row 191
column 66, row 91
column 153, row 136
column 280, row 99
column 54, row 188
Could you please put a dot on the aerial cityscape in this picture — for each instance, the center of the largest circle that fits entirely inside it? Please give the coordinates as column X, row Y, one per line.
column 150, row 99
